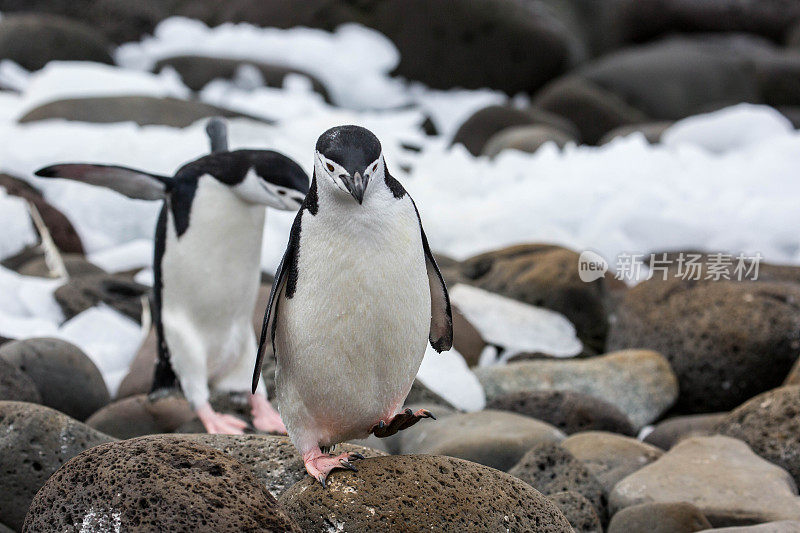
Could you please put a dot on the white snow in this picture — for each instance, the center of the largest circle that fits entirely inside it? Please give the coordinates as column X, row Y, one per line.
column 728, row 129
column 515, row 326
column 721, row 181
column 447, row 375
column 16, row 227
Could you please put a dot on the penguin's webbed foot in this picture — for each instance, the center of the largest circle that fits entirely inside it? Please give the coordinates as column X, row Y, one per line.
column 319, row 465
column 399, row 422
column 215, row 422
column 265, row 417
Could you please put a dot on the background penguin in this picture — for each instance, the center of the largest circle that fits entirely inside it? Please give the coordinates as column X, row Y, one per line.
column 206, row 265
column 355, row 300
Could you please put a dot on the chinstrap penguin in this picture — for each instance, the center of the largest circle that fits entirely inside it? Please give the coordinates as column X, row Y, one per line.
column 207, row 265
column 356, row 298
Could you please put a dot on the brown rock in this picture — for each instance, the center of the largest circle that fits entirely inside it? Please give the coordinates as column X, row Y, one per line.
column 466, row 339
column 421, row 493
column 115, row 290
column 526, row 139
column 34, row 442
column 727, row 341
column 546, row 276
column 15, row 385
column 677, row 517
column 579, row 511
column 569, row 411
column 493, row 438
column 770, row 424
column 76, row 265
column 139, row 379
column 669, row 432
column 142, row 415
column 610, row 457
column 156, row 483
column 551, row 469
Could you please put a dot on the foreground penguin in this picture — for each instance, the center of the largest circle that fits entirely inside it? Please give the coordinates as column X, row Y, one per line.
column 206, row 265
column 356, row 298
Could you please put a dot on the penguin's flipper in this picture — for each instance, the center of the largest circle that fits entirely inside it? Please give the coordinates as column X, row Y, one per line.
column 130, row 182
column 288, row 263
column 441, row 333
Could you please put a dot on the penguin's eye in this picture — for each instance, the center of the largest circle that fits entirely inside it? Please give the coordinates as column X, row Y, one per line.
column 330, row 167
column 282, row 193
column 374, row 167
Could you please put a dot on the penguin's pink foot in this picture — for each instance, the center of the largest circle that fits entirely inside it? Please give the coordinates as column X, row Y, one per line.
column 399, row 422
column 319, row 465
column 220, row 423
column 265, row 417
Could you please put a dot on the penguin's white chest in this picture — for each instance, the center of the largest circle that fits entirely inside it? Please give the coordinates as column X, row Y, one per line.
column 352, row 337
column 211, row 274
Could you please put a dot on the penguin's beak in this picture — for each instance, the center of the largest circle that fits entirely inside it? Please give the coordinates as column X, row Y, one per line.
column 357, row 184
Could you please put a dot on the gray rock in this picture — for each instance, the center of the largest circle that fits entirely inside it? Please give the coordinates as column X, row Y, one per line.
column 579, row 511
column 493, row 438
column 610, row 457
column 475, row 132
column 669, row 432
column 726, row 340
column 272, row 459
column 770, row 424
column 651, row 130
column 197, row 71
column 65, row 377
column 421, row 493
column 115, row 290
column 551, row 469
column 782, row 526
column 569, row 411
column 34, row 442
column 594, row 110
column 525, row 139
column 15, row 385
column 155, row 483
column 721, row 476
column 672, row 517
column 143, row 110
column 32, row 40
column 639, row 382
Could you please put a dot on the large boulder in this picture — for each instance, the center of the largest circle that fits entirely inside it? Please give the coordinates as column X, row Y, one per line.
column 61, row 229
column 546, row 276
column 726, row 340
column 610, row 457
column 272, row 459
column 16, row 385
column 34, row 442
column 197, row 71
column 640, row 383
column 32, row 40
column 65, row 377
column 770, row 424
column 569, row 411
column 551, row 469
column 493, row 438
column 115, row 290
column 155, row 483
column 721, row 476
column 143, row 110
column 421, row 493
column 670, row 517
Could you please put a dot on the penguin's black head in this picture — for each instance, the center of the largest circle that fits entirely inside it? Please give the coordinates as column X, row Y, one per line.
column 349, row 156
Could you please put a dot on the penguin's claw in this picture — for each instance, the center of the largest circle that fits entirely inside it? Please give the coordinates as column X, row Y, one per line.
column 319, row 465
column 399, row 422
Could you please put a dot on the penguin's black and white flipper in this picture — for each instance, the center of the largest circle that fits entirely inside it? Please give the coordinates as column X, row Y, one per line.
column 441, row 334
column 278, row 288
column 132, row 183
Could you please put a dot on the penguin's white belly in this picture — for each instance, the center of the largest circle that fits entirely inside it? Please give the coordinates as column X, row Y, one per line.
column 352, row 337
column 210, row 279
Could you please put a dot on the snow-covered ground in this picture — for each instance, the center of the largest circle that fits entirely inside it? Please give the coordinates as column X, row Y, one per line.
column 725, row 181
